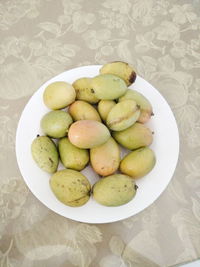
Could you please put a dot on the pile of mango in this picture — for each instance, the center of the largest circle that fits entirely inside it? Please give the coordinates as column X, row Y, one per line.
column 102, row 114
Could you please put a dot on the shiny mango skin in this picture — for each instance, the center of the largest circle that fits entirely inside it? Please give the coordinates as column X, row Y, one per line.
column 142, row 101
column 114, row 190
column 88, row 134
column 70, row 187
column 81, row 110
column 45, row 154
column 71, row 156
column 108, row 86
column 136, row 136
column 138, row 163
column 123, row 115
column 122, row 69
column 105, row 158
column 84, row 90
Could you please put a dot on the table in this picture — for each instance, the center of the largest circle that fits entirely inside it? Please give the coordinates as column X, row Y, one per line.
column 41, row 38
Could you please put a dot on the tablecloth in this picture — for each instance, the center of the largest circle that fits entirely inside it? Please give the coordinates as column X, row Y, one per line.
column 41, row 38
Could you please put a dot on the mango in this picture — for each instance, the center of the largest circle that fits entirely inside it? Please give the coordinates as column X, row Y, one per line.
column 138, row 163
column 70, row 187
column 59, row 95
column 114, row 190
column 104, row 107
column 121, row 69
column 123, row 115
column 108, row 86
column 71, row 156
column 44, row 153
column 84, row 90
column 56, row 123
column 105, row 158
column 136, row 136
column 142, row 101
column 88, row 133
column 81, row 110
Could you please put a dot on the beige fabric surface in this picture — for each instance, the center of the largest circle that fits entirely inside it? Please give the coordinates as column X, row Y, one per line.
column 41, row 38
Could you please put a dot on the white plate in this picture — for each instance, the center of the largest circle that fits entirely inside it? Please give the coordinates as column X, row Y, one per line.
column 165, row 145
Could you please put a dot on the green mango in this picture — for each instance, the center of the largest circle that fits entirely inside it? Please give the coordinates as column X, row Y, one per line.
column 105, row 158
column 136, row 136
column 56, row 123
column 114, row 190
column 138, row 163
column 44, row 153
column 123, row 115
column 70, row 187
column 58, row 95
column 121, row 69
column 108, row 86
column 81, row 110
column 71, row 156
column 142, row 101
column 88, row 134
column 104, row 107
column 84, row 90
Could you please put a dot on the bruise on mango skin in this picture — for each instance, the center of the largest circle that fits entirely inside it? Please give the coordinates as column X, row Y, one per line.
column 83, row 90
column 78, row 91
column 124, row 118
column 132, row 77
column 50, row 159
column 76, row 201
column 125, row 71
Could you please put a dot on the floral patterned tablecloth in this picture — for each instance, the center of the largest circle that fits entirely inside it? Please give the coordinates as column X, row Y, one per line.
column 41, row 38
